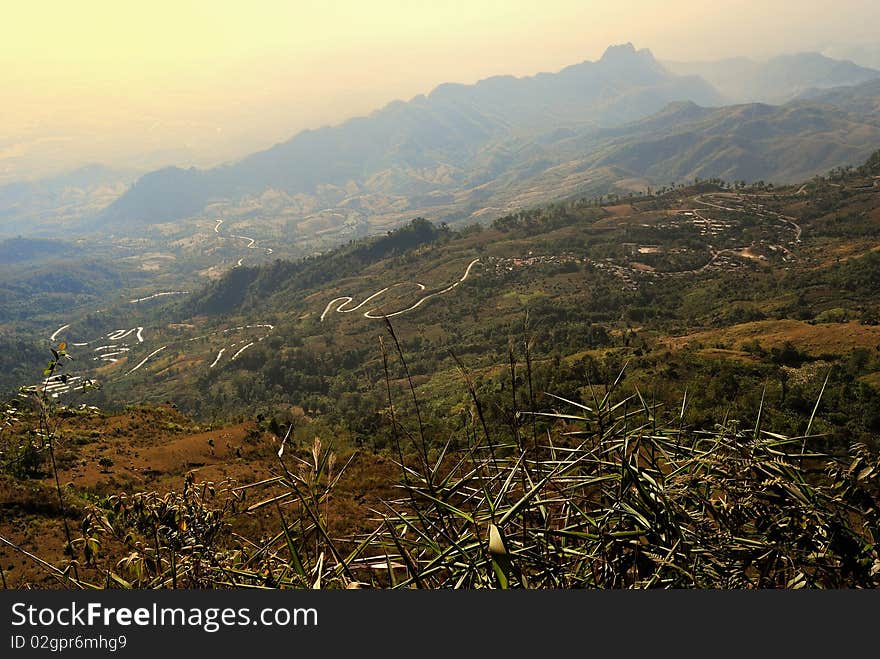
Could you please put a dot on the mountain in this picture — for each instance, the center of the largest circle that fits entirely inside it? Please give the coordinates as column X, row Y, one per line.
column 863, row 98
column 865, row 54
column 428, row 143
column 468, row 152
column 776, row 80
column 747, row 142
column 743, row 142
column 684, row 140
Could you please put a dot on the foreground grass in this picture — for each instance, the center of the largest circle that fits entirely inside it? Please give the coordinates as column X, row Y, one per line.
column 610, row 494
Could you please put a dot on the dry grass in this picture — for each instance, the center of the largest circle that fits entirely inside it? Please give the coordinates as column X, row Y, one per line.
column 732, row 355
column 612, row 493
column 814, row 340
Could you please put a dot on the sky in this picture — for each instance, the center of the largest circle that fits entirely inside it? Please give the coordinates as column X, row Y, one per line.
column 141, row 84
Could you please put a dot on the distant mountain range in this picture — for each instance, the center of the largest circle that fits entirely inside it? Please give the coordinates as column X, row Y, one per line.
column 778, row 80
column 623, row 122
column 431, row 141
column 741, row 142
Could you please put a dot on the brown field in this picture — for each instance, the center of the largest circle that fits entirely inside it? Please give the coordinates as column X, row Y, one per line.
column 720, row 353
column 815, row 340
column 872, row 379
column 152, row 449
column 619, row 210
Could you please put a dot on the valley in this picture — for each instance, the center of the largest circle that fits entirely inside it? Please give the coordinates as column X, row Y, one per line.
column 599, row 280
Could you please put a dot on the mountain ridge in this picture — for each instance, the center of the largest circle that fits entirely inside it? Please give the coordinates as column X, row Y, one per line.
column 462, row 152
column 449, row 124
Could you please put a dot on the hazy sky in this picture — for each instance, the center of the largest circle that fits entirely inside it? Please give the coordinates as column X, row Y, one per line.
column 135, row 82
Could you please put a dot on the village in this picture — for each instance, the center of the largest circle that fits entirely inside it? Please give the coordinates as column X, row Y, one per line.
column 727, row 244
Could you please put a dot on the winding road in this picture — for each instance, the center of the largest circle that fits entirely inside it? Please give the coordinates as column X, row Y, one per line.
column 216, row 361
column 109, row 351
column 252, row 243
column 58, row 331
column 155, row 295
column 345, row 300
column 146, row 359
column 113, row 346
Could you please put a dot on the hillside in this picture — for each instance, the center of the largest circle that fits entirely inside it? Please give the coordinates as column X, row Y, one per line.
column 863, row 98
column 706, row 283
column 750, row 142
